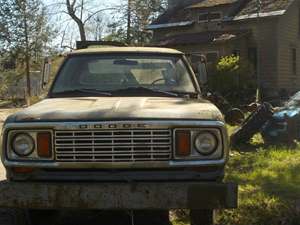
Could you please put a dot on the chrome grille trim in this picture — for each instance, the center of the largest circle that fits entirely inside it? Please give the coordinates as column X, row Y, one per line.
column 113, row 145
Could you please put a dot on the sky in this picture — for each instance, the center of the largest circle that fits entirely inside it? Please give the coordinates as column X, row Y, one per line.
column 66, row 28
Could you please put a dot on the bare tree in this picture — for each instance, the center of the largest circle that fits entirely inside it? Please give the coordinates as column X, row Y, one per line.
column 81, row 15
column 133, row 17
column 72, row 8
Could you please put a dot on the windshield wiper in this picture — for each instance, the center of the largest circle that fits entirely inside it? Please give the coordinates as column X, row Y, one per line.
column 184, row 93
column 139, row 89
column 85, row 91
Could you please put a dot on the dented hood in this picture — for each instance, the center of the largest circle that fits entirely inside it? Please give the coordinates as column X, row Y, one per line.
column 118, row 108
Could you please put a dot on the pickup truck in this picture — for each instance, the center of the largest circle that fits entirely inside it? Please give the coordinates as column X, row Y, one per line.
column 123, row 129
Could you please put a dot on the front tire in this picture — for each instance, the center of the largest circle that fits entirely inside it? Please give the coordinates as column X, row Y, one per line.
column 202, row 217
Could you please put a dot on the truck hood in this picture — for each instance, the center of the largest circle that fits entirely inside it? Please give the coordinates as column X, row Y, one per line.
column 118, row 108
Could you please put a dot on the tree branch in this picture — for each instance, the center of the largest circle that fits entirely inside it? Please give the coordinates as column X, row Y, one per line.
column 95, row 13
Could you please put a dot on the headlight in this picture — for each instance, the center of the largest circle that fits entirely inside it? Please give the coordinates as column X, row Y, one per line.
column 206, row 143
column 23, row 144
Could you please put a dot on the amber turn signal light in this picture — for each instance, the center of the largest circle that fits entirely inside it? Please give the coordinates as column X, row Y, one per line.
column 44, row 145
column 183, row 143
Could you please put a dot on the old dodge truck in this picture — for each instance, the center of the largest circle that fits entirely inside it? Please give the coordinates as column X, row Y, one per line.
column 121, row 129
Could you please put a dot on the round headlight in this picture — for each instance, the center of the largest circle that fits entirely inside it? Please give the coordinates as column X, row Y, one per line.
column 23, row 144
column 206, row 143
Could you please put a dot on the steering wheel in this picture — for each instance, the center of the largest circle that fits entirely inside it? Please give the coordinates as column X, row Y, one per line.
column 155, row 81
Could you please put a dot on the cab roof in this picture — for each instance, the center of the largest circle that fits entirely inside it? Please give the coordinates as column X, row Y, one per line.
column 101, row 50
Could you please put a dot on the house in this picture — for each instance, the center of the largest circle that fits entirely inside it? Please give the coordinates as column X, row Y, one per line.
column 266, row 32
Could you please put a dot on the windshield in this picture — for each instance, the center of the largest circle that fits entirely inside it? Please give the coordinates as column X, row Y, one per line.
column 112, row 73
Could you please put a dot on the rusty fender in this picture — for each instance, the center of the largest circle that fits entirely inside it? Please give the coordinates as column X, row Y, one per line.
column 110, row 196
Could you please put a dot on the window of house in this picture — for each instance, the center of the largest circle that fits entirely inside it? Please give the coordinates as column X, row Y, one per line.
column 212, row 57
column 294, row 61
column 215, row 16
column 252, row 56
column 211, row 16
column 236, row 52
column 203, row 17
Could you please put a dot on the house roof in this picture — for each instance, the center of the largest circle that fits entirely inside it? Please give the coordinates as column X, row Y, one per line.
column 174, row 15
column 211, row 3
column 267, row 6
column 170, row 25
column 202, row 38
column 246, row 9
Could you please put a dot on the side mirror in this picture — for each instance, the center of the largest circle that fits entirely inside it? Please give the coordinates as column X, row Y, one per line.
column 198, row 63
column 46, row 73
column 202, row 73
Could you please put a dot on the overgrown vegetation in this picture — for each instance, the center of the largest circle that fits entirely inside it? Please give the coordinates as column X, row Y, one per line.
column 233, row 79
column 269, row 181
column 269, row 190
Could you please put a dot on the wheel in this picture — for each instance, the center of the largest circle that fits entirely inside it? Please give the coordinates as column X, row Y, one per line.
column 13, row 217
column 151, row 217
column 202, row 217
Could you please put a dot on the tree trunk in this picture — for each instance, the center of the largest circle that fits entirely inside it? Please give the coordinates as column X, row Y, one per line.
column 79, row 22
column 81, row 30
column 27, row 56
column 128, row 38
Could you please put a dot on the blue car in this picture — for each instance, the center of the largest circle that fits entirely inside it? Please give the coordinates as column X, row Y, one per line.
column 283, row 127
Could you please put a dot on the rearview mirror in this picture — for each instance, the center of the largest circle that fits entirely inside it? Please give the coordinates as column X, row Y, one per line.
column 126, row 62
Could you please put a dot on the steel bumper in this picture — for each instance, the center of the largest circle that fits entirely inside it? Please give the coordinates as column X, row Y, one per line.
column 113, row 196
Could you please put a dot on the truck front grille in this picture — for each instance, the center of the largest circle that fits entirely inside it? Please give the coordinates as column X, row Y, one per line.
column 113, row 146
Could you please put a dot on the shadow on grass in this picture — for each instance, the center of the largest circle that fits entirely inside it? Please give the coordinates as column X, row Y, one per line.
column 248, row 147
column 269, row 181
column 283, row 183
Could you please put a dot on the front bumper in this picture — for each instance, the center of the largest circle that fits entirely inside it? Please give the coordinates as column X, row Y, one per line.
column 115, row 196
column 206, row 174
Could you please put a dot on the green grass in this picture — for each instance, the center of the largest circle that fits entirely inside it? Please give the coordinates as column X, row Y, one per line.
column 269, row 186
column 269, row 190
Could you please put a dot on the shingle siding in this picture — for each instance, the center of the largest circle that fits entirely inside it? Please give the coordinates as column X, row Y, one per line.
column 289, row 38
column 263, row 38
